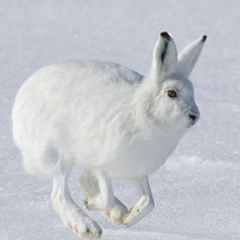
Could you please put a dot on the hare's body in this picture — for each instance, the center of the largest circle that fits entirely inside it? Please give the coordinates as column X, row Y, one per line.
column 87, row 112
column 108, row 119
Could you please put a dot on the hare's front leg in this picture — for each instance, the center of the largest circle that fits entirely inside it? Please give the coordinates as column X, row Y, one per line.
column 70, row 213
column 143, row 206
column 102, row 199
column 95, row 188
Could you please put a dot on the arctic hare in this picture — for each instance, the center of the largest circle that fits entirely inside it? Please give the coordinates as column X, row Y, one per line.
column 109, row 119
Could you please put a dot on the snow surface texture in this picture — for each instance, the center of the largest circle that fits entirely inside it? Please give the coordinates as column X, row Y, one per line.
column 197, row 193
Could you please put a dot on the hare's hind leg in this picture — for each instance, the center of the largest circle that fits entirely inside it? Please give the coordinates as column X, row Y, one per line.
column 143, row 206
column 70, row 213
column 95, row 188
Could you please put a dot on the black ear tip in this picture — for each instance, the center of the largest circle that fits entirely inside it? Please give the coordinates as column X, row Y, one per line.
column 165, row 35
column 204, row 38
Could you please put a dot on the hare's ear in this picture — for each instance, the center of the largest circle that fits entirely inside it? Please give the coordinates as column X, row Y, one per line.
column 189, row 56
column 164, row 56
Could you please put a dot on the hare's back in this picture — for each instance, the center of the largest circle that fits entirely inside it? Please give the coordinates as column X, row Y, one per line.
column 83, row 72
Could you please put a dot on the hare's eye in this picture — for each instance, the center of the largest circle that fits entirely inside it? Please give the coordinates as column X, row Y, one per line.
column 172, row 93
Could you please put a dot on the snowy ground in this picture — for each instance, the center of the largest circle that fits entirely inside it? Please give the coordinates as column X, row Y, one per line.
column 197, row 193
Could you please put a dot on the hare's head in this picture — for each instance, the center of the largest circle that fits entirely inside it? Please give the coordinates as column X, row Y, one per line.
column 173, row 96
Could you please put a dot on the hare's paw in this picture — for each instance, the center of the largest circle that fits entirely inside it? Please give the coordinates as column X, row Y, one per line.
column 117, row 213
column 85, row 228
column 139, row 211
column 99, row 203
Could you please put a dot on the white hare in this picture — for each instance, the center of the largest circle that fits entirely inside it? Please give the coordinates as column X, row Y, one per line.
column 109, row 119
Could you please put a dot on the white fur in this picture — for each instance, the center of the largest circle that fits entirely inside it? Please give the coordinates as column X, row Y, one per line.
column 110, row 120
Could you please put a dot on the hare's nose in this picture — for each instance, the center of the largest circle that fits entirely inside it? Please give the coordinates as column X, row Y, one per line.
column 193, row 116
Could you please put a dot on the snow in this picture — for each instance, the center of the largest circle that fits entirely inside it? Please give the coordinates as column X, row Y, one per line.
column 197, row 191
